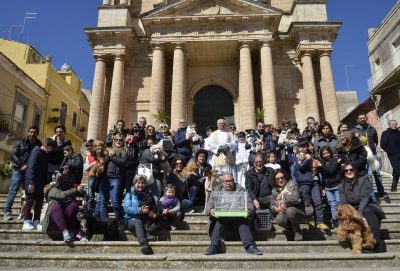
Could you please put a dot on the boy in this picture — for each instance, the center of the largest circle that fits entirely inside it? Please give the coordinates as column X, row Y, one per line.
column 308, row 183
column 35, row 181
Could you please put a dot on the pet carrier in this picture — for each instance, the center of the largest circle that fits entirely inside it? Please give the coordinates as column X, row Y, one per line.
column 231, row 204
column 263, row 221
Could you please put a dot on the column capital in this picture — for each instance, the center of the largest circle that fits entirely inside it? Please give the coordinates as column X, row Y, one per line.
column 178, row 45
column 265, row 43
column 99, row 57
column 120, row 57
column 306, row 52
column 244, row 44
column 158, row 45
column 325, row 52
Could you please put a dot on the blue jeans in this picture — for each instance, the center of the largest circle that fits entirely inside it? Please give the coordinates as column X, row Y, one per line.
column 377, row 177
column 115, row 186
column 92, row 203
column 333, row 199
column 104, row 197
column 17, row 178
column 312, row 194
column 186, row 204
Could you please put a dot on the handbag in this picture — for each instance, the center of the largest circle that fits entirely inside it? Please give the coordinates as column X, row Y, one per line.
column 146, row 170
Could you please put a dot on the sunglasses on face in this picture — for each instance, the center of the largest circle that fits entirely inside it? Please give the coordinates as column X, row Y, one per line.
column 162, row 127
column 280, row 178
column 118, row 140
column 349, row 170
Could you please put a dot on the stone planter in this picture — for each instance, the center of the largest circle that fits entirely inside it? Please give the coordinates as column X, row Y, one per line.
column 4, row 184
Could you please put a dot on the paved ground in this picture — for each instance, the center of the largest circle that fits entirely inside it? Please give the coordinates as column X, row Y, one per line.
column 79, row 269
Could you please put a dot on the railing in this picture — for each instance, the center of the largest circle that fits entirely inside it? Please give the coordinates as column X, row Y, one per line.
column 384, row 70
column 54, row 117
column 16, row 127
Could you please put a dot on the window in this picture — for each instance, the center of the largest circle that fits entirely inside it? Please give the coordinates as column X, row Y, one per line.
column 19, row 111
column 36, row 120
column 396, row 42
column 74, row 119
column 63, row 113
column 378, row 62
column 21, row 105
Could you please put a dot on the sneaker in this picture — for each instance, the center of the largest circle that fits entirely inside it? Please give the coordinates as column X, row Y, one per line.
column 298, row 236
column 173, row 228
column 213, row 249
column 322, row 226
column 252, row 249
column 27, row 226
column 67, row 238
column 8, row 216
column 312, row 225
column 36, row 223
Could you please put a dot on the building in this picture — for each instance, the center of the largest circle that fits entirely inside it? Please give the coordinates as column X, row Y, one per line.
column 205, row 59
column 63, row 86
column 347, row 101
column 384, row 58
column 22, row 104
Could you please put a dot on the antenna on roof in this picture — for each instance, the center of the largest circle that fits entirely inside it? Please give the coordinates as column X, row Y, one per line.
column 28, row 16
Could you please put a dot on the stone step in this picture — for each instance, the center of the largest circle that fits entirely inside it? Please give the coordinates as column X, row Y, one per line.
column 46, row 246
column 198, row 260
column 201, row 224
column 193, row 235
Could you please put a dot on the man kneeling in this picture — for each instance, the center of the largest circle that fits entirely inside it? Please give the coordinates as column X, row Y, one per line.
column 239, row 223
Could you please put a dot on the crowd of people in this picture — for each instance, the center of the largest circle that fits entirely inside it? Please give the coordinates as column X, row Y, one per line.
column 152, row 178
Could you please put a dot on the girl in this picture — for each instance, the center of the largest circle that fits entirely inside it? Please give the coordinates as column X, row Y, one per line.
column 170, row 208
column 271, row 161
column 330, row 181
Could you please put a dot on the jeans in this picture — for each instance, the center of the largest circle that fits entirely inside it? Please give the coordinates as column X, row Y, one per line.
column 115, row 186
column 103, row 197
column 241, row 224
column 373, row 217
column 34, row 201
column 137, row 225
column 62, row 220
column 377, row 177
column 333, row 199
column 312, row 193
column 187, row 204
column 17, row 178
column 92, row 203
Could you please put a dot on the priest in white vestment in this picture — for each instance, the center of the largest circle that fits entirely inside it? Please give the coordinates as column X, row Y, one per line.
column 222, row 144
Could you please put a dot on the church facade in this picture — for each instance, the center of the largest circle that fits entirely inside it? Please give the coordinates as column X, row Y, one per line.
column 201, row 60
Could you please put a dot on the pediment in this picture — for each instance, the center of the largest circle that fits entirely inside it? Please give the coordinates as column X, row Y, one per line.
column 193, row 8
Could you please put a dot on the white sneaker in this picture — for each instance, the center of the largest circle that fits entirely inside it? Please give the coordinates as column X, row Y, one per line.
column 27, row 226
column 36, row 223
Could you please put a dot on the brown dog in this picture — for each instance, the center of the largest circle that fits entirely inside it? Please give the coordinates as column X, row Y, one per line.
column 352, row 228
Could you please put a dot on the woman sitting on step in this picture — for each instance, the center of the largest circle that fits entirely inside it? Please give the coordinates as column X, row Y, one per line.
column 60, row 215
column 140, row 209
column 287, row 205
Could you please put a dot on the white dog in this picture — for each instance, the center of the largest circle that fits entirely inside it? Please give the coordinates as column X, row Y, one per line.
column 192, row 131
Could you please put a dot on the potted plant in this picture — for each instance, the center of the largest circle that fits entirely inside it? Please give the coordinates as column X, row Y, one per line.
column 6, row 169
column 161, row 116
column 259, row 114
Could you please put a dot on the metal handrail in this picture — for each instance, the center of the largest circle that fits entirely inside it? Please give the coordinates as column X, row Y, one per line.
column 16, row 126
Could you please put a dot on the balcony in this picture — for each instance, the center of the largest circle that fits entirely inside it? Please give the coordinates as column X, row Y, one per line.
column 71, row 125
column 15, row 127
column 385, row 70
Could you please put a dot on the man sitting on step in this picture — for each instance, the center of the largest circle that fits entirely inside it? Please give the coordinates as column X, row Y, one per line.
column 229, row 187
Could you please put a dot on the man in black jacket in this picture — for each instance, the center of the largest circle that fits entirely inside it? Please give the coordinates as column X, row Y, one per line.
column 72, row 165
column 390, row 143
column 259, row 183
column 20, row 155
column 35, row 180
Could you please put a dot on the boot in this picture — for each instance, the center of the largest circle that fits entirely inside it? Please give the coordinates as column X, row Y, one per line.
column 146, row 249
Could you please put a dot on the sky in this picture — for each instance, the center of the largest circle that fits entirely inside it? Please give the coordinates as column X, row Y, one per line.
column 58, row 31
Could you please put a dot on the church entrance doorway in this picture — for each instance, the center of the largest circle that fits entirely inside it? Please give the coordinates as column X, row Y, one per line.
column 210, row 104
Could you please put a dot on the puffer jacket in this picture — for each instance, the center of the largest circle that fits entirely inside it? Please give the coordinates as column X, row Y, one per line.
column 370, row 133
column 132, row 204
column 21, row 151
column 116, row 165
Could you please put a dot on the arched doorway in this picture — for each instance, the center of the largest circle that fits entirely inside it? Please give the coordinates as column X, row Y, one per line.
column 211, row 103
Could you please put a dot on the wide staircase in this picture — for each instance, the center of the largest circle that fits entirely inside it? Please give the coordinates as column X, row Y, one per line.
column 185, row 248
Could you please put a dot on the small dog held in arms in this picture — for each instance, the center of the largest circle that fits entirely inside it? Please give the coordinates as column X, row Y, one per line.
column 352, row 228
column 192, row 131
column 159, row 153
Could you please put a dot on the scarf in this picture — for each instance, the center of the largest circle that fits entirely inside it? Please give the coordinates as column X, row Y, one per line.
column 169, row 203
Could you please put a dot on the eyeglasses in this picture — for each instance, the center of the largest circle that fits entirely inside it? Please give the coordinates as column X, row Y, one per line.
column 182, row 122
column 280, row 178
column 258, row 162
column 179, row 163
column 118, row 140
column 349, row 170
column 164, row 126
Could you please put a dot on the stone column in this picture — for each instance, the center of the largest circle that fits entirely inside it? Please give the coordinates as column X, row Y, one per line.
column 123, row 2
column 106, row 2
column 96, row 100
column 268, row 85
column 246, row 89
column 178, row 95
column 328, row 90
column 114, row 113
column 157, row 82
column 310, row 92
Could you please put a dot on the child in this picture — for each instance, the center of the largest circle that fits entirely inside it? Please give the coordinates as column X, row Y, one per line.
column 271, row 161
column 242, row 153
column 329, row 168
column 308, row 183
column 35, row 181
column 170, row 207
column 89, row 163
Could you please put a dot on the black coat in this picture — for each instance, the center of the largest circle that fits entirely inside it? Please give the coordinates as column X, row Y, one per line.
column 260, row 186
column 148, row 158
column 56, row 156
column 21, row 151
column 356, row 156
column 329, row 171
column 75, row 168
column 36, row 171
column 116, row 165
column 390, row 142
